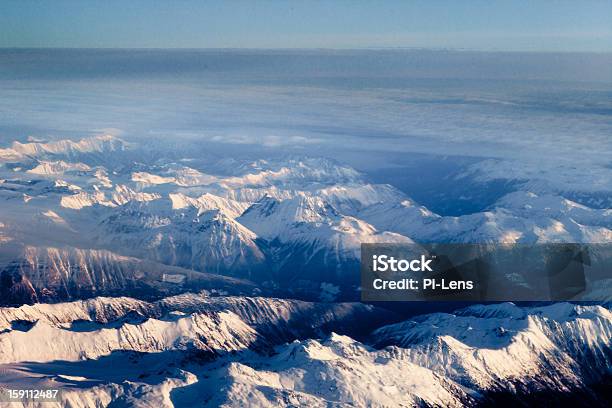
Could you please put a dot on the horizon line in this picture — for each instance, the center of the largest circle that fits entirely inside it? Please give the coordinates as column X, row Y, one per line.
column 365, row 48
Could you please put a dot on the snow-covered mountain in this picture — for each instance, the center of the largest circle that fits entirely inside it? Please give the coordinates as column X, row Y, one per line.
column 556, row 175
column 46, row 274
column 208, row 241
column 95, row 145
column 116, row 324
column 95, row 217
column 493, row 347
column 308, row 238
column 480, row 355
column 196, row 350
column 294, row 223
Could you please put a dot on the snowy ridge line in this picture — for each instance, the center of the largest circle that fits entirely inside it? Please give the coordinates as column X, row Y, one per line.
column 279, row 319
column 511, row 354
column 469, row 357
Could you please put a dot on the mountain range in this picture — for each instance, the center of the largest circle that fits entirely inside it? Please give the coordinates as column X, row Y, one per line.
column 201, row 350
column 135, row 277
column 293, row 224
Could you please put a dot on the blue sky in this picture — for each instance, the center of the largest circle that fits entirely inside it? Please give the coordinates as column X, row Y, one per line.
column 534, row 25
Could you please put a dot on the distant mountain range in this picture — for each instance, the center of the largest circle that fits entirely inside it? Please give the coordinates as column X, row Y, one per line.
column 72, row 208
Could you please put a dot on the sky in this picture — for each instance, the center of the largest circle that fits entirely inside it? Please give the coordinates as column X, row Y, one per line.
column 520, row 25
